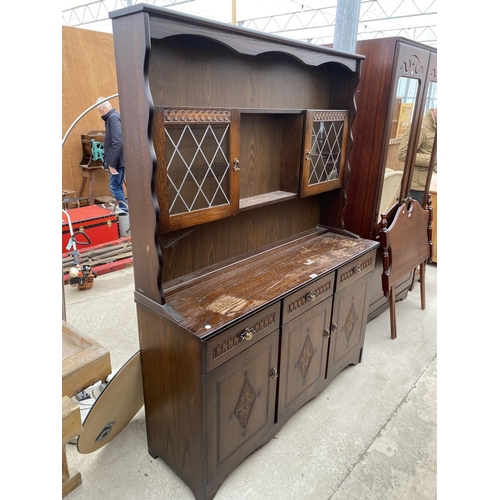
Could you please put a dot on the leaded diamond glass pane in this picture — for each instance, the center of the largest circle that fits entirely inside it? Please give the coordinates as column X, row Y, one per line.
column 326, row 151
column 197, row 166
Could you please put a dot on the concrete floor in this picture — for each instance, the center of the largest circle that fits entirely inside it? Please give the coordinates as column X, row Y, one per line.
column 371, row 434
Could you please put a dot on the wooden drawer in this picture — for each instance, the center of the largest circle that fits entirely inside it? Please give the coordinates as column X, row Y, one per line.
column 355, row 270
column 236, row 339
column 305, row 298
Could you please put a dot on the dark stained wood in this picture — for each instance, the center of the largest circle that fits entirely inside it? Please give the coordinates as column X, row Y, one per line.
column 406, row 244
column 269, row 140
column 198, row 71
column 242, row 40
column 204, row 205
column 235, row 306
column 244, row 287
column 304, row 354
column 371, row 128
column 241, row 399
column 349, row 321
column 234, row 340
column 326, row 117
column 386, row 61
column 226, row 239
column 136, row 111
column 171, row 373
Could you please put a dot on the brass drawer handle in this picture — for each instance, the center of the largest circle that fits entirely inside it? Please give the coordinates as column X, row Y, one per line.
column 274, row 373
column 248, row 333
column 310, row 296
column 236, row 164
column 357, row 269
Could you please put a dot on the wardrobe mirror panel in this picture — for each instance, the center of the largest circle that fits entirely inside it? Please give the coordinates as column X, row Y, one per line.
column 402, row 119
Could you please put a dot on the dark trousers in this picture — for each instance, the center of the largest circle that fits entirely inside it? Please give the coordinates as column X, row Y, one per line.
column 418, row 196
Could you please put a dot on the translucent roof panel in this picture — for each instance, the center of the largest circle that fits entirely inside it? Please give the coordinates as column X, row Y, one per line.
column 312, row 21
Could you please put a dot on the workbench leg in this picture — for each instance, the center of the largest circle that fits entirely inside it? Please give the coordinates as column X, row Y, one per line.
column 92, row 187
column 71, row 478
column 90, row 174
column 82, row 185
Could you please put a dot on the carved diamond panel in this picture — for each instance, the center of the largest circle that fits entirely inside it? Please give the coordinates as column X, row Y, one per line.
column 245, row 403
column 305, row 357
column 350, row 321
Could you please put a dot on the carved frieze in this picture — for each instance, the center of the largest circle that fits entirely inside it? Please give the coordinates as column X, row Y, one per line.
column 304, row 299
column 235, row 341
column 196, row 115
column 356, row 270
column 329, row 116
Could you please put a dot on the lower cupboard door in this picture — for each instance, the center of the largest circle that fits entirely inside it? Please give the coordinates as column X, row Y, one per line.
column 241, row 401
column 303, row 361
column 350, row 310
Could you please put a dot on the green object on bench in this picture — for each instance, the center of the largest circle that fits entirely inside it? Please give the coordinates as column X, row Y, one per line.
column 97, row 150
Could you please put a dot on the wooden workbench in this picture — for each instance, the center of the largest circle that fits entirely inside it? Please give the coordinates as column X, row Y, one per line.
column 84, row 362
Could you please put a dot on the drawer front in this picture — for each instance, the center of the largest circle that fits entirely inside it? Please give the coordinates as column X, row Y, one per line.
column 236, row 339
column 302, row 300
column 354, row 270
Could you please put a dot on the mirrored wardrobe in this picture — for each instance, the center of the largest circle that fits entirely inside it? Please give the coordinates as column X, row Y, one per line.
column 394, row 154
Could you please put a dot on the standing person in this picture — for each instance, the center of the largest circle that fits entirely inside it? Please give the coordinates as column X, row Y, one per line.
column 113, row 151
column 423, row 157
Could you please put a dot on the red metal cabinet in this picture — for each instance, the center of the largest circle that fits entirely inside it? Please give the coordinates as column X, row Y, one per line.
column 99, row 224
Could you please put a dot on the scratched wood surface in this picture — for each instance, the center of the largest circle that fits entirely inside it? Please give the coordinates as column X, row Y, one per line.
column 245, row 287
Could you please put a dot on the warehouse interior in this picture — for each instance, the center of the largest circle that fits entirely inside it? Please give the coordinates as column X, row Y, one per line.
column 361, row 463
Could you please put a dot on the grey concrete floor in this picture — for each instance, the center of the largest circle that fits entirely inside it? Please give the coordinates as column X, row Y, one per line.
column 371, row 434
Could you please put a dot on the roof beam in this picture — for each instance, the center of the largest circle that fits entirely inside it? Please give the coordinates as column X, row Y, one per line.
column 99, row 10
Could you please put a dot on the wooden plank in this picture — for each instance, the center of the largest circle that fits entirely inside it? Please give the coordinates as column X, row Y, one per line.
column 84, row 361
column 84, row 369
column 74, row 480
column 71, row 420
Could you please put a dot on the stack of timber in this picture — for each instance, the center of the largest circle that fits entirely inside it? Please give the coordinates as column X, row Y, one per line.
column 102, row 258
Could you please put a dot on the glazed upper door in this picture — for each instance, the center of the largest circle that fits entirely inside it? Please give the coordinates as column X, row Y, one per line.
column 325, row 149
column 197, row 177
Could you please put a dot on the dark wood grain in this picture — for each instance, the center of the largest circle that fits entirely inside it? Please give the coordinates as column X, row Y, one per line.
column 406, row 244
column 386, row 61
column 238, row 335
column 171, row 373
column 136, row 110
column 245, row 287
